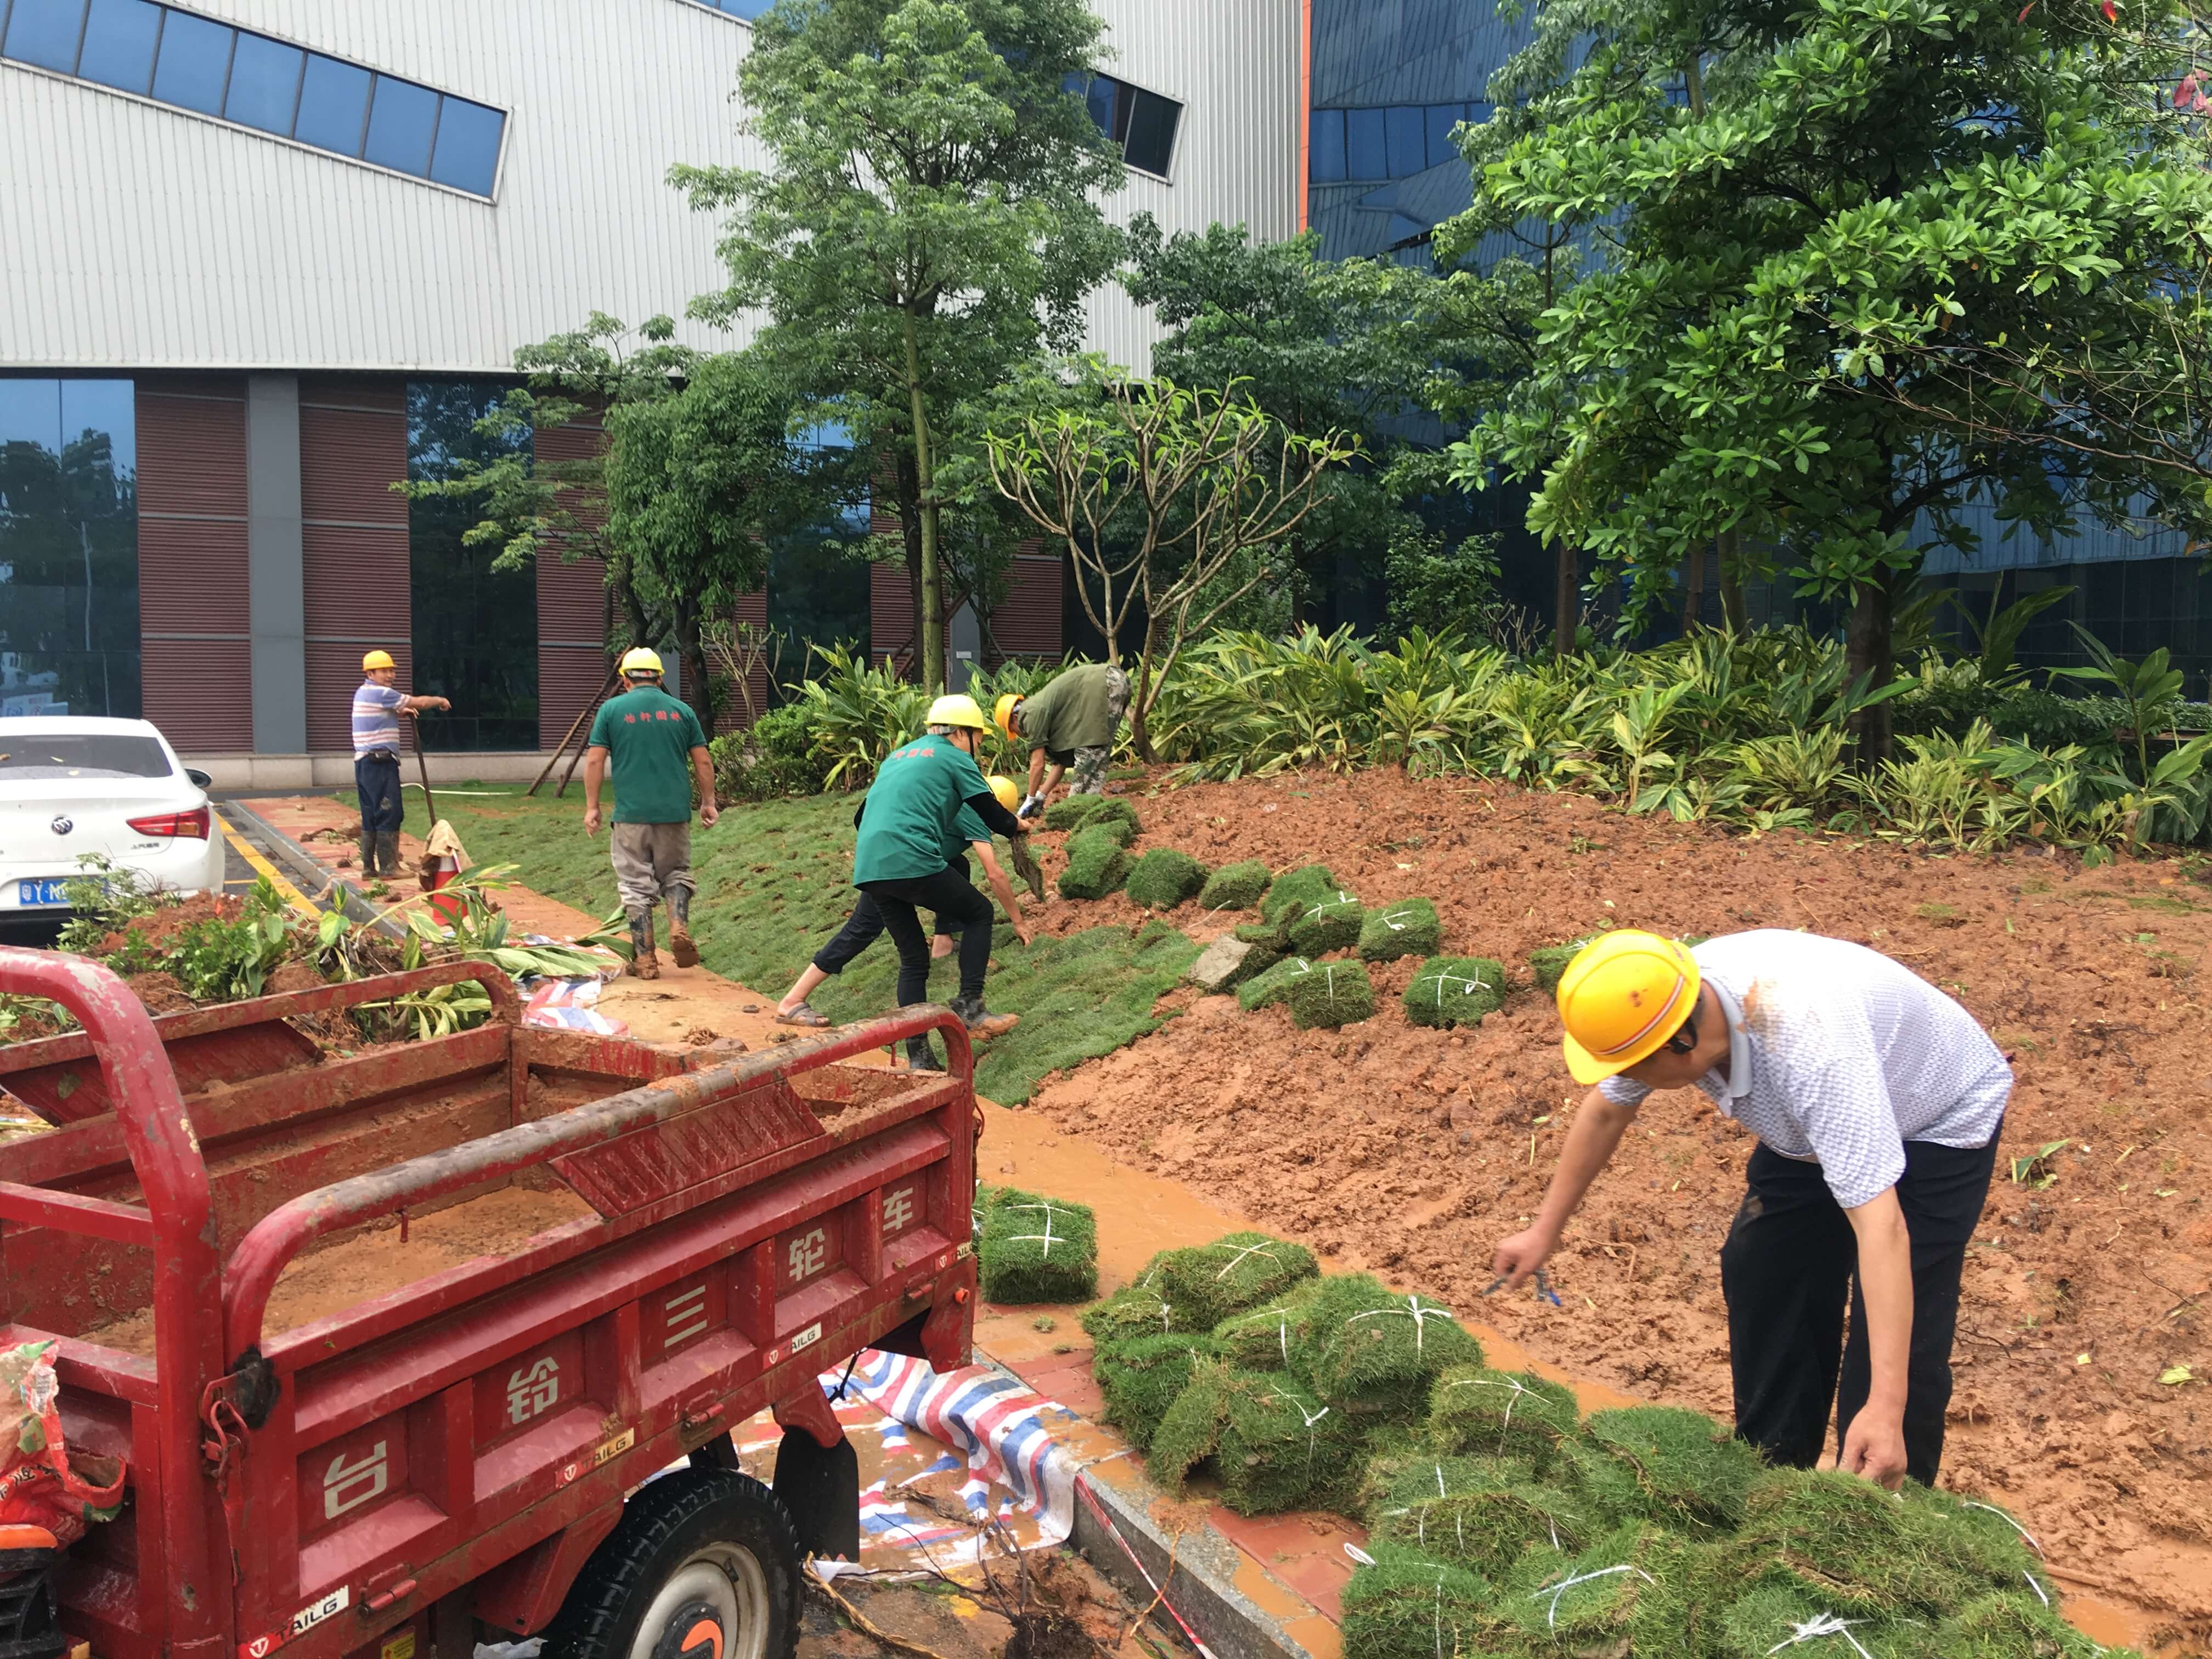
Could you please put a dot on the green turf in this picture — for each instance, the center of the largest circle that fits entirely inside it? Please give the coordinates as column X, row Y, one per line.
column 1237, row 886
column 1405, row 927
column 1165, row 877
column 774, row 882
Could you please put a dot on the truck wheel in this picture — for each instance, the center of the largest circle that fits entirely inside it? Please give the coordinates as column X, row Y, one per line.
column 704, row 1565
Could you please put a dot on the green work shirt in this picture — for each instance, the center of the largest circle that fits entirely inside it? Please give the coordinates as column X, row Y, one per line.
column 913, row 810
column 650, row 736
column 967, row 830
column 1070, row 711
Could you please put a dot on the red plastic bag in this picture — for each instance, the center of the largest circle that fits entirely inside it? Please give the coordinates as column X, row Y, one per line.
column 42, row 1482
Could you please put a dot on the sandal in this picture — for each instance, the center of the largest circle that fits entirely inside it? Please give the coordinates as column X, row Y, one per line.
column 802, row 1015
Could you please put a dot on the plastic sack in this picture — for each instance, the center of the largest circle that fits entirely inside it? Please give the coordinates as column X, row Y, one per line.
column 42, row 1482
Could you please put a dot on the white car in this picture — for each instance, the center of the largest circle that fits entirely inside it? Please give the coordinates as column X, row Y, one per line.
column 74, row 785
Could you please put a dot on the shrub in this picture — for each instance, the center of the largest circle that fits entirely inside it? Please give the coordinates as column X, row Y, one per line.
column 1474, row 1410
column 1406, row 927
column 1206, row 1284
column 1037, row 1249
column 1237, row 886
column 778, row 755
column 1163, row 878
column 1364, row 1348
column 1330, row 924
column 1096, row 865
column 1265, row 990
column 1143, row 1377
column 1334, row 993
column 1456, row 991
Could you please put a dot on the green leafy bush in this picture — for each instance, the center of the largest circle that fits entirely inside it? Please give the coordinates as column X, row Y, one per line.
column 1456, row 991
column 1096, row 865
column 1237, row 886
column 1163, row 878
column 1403, row 927
column 778, row 755
column 1334, row 993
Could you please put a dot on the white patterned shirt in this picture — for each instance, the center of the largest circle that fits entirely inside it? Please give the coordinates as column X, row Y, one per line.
column 1840, row 1056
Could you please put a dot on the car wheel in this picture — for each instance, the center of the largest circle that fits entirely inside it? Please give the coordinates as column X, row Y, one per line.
column 704, row 1565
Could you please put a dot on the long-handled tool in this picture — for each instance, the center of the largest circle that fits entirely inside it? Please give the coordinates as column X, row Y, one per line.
column 430, row 801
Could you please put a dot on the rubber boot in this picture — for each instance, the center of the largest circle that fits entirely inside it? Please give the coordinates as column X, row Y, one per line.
column 921, row 1057
column 387, row 853
column 679, row 928
column 643, row 963
column 982, row 1023
column 367, row 856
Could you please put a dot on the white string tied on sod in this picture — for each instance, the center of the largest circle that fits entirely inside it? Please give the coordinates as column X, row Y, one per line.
column 1555, row 1591
column 1045, row 1237
column 1413, row 1310
column 1445, row 980
column 1265, row 1247
column 1969, row 1504
column 1390, row 919
column 1826, row 1624
column 1342, row 899
column 1514, row 1387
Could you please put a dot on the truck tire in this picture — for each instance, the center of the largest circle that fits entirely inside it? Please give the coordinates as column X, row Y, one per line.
column 704, row 1565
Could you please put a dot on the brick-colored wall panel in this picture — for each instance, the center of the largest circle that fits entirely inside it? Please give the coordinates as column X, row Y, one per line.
column 349, row 461
column 192, row 561
column 572, row 660
column 1028, row 623
column 199, row 693
column 353, row 446
column 193, row 576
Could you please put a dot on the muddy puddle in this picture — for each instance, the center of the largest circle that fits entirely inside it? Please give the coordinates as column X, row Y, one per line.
column 1140, row 1214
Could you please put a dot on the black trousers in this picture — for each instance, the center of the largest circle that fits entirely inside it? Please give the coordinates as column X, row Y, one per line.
column 866, row 925
column 377, row 782
column 1789, row 1264
column 954, row 900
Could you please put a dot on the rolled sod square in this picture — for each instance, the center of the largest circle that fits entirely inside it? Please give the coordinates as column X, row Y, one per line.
column 1405, row 1604
column 1132, row 1311
column 1265, row 990
column 1282, row 1447
column 1207, row 1283
column 1096, row 865
column 1330, row 924
column 1456, row 991
column 1363, row 1345
column 1073, row 812
column 1488, row 1527
column 1237, row 886
column 1399, row 1475
column 1163, row 878
column 1677, row 1467
column 1259, row 1338
column 1295, row 891
column 1477, row 1412
column 1141, row 1377
column 1334, row 993
column 1038, row 1249
column 1404, row 927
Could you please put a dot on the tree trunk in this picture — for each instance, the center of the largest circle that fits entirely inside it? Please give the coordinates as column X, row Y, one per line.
column 1567, row 601
column 910, row 508
column 932, row 577
column 692, row 650
column 1728, row 554
column 1694, row 587
column 1140, row 699
column 1868, row 651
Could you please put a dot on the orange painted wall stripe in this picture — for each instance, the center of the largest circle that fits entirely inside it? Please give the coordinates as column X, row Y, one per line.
column 1305, row 112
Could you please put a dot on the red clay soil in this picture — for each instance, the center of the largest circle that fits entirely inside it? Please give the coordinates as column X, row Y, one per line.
column 1413, row 1151
column 162, row 928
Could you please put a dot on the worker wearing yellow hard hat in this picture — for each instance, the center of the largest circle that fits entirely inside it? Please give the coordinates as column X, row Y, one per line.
column 1877, row 1101
column 910, row 824
column 866, row 924
column 658, row 749
column 1067, row 724
column 378, row 705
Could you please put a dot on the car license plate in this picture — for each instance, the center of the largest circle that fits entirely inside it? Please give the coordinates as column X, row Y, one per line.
column 39, row 892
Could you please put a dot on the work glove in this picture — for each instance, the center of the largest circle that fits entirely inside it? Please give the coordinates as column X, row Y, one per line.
column 1030, row 807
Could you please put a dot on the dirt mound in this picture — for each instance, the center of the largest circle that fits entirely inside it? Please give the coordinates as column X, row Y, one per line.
column 1413, row 1151
column 159, row 993
column 160, row 929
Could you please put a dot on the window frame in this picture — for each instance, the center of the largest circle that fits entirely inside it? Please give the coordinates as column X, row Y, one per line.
column 1124, row 106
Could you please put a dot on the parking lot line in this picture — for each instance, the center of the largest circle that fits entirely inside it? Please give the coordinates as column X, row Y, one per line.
column 277, row 878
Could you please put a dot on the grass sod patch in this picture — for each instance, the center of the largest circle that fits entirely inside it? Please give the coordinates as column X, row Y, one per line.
column 1132, row 1311
column 1636, row 1584
column 1679, row 1467
column 1405, row 927
column 1295, row 891
column 1143, row 1378
column 1206, row 1284
column 1081, row 811
column 1163, row 878
column 1189, row 1430
column 1548, row 962
column 1402, row 1469
column 1490, row 1526
column 1259, row 1338
column 1237, row 886
column 1408, row 1604
column 1096, row 865
column 1281, row 1447
column 1370, row 1350
column 1334, row 993
column 1329, row 924
column 1474, row 1410
column 1264, row 990
column 1451, row 991
column 1037, row 1249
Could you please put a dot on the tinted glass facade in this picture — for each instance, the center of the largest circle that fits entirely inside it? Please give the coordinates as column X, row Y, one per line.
column 475, row 628
column 69, row 547
column 1142, row 123
column 195, row 63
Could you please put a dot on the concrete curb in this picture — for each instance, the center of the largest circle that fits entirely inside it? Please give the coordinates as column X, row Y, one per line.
column 316, row 880
column 1238, row 1608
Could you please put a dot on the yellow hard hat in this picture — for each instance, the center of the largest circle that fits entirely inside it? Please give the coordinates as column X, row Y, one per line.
column 639, row 660
column 1003, row 712
column 377, row 660
column 1621, row 998
column 958, row 709
column 1009, row 796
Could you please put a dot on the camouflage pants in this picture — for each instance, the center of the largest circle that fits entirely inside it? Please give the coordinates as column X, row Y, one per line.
column 1088, row 775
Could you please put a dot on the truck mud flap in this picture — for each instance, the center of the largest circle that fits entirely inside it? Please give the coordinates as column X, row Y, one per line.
column 820, row 1488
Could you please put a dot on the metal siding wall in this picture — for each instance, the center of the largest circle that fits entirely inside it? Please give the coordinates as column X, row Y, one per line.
column 353, row 447
column 193, row 563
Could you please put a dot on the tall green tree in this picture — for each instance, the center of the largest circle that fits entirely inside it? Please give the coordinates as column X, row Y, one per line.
column 927, row 220
column 1734, row 161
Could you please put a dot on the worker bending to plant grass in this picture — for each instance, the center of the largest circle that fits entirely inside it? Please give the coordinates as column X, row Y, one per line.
column 908, row 828
column 862, row 927
column 1877, row 1101
column 1069, row 721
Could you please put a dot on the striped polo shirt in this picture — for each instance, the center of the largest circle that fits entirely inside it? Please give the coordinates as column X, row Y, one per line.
column 376, row 718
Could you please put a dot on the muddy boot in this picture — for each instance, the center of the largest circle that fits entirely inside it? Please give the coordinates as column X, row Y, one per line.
column 367, row 856
column 387, row 853
column 643, row 963
column 679, row 928
column 982, row 1025
column 921, row 1057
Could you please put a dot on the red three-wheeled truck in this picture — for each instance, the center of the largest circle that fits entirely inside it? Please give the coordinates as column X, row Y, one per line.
column 441, row 1342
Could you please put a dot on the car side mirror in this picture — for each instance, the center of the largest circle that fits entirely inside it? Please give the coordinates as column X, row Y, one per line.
column 199, row 779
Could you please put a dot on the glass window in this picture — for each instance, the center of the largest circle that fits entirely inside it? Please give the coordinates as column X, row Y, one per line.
column 1442, row 118
column 333, row 105
column 264, row 83
column 1363, row 144
column 1106, row 106
column 194, row 63
column 468, row 145
column 81, row 754
column 1152, row 131
column 69, row 547
column 746, row 8
column 402, row 121
column 1405, row 140
column 1325, row 147
column 45, row 33
column 475, row 628
column 118, row 44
